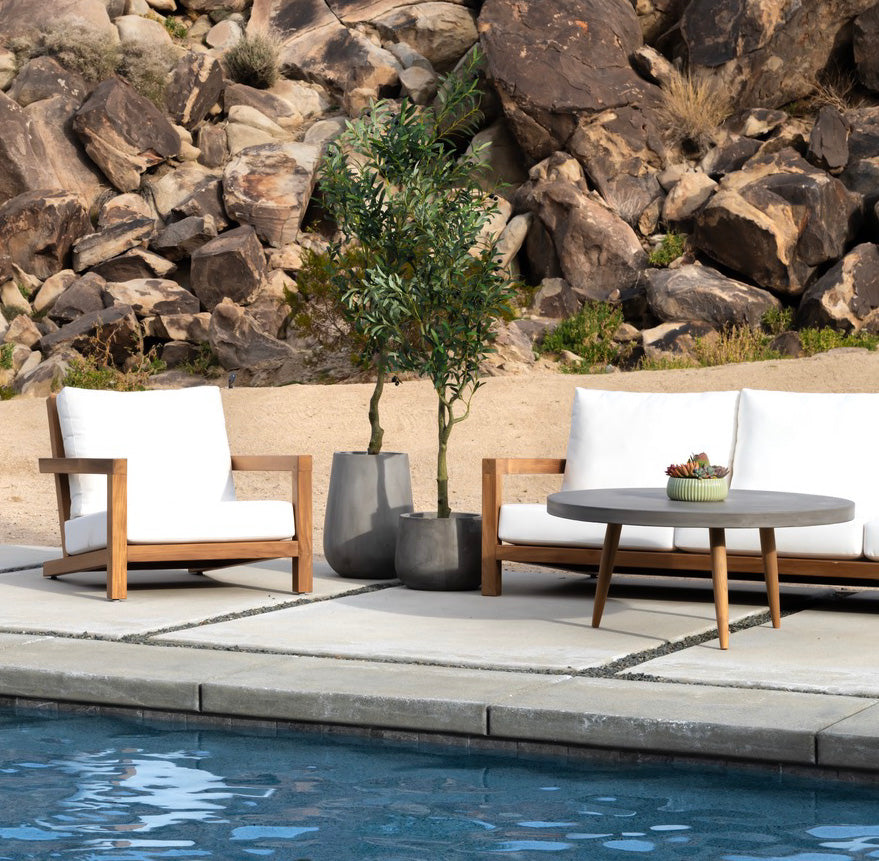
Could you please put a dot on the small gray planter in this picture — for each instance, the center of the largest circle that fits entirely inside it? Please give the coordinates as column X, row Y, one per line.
column 367, row 495
column 440, row 554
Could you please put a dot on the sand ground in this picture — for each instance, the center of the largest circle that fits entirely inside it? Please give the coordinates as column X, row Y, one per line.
column 511, row 416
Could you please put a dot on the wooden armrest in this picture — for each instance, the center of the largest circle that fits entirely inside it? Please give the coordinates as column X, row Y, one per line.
column 271, row 462
column 523, row 465
column 84, row 465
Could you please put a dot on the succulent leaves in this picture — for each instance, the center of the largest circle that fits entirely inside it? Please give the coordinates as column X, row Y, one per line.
column 698, row 466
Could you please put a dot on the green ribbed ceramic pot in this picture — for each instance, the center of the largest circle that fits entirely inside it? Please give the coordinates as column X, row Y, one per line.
column 697, row 489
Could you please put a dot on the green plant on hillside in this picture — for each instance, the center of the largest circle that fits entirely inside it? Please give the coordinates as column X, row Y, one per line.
column 6, row 393
column 6, row 356
column 95, row 369
column 204, row 363
column 672, row 246
column 821, row 340
column 734, row 345
column 254, row 60
column 589, row 334
column 777, row 320
column 692, row 109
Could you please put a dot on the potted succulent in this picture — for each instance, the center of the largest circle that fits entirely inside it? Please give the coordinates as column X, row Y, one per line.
column 387, row 182
column 697, row 480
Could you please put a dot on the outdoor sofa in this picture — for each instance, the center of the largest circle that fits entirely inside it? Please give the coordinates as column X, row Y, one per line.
column 819, row 443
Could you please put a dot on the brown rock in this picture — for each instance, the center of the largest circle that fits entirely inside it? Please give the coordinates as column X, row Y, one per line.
column 181, row 327
column 82, row 296
column 828, row 143
column 212, row 145
column 555, row 298
column 115, row 326
column 110, row 242
column 38, row 229
column 22, row 330
column 150, row 296
column 230, row 266
column 134, row 264
column 599, row 254
column 124, row 133
column 865, row 37
column 702, row 293
column 195, row 87
column 846, row 297
column 673, row 340
column 180, row 238
column 51, row 289
column 42, row 78
column 24, row 165
column 587, row 71
column 269, row 187
column 241, row 345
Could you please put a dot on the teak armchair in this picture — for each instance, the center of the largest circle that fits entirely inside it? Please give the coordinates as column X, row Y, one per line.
column 162, row 497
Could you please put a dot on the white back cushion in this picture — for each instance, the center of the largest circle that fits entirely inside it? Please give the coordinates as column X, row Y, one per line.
column 810, row 443
column 627, row 439
column 175, row 442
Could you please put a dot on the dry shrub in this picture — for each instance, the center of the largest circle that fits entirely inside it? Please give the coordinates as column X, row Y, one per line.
column 693, row 109
column 95, row 56
column 147, row 70
column 835, row 87
column 254, row 60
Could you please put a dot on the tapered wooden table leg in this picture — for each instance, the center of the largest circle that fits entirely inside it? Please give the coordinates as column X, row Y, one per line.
column 770, row 572
column 717, row 539
column 605, row 569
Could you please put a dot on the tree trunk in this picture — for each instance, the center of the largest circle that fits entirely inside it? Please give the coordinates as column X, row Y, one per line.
column 376, row 430
column 444, row 429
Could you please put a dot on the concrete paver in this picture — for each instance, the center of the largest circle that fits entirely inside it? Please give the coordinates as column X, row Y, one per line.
column 829, row 649
column 542, row 622
column 17, row 556
column 853, row 742
column 685, row 719
column 77, row 603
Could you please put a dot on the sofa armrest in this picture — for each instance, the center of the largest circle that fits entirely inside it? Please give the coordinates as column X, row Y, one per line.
column 300, row 466
column 493, row 471
column 84, row 465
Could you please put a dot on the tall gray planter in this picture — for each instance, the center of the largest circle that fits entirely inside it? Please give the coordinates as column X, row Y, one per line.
column 367, row 495
column 440, row 554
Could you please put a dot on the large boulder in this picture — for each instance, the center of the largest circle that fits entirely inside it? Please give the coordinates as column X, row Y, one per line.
column 766, row 52
column 231, row 266
column 316, row 45
column 43, row 77
column 598, row 253
column 701, row 293
column 777, row 220
column 865, row 35
column 112, row 241
column 117, row 327
column 134, row 264
column 149, row 296
column 544, row 92
column 85, row 295
column 846, row 297
column 242, row 346
column 24, row 165
column 19, row 18
column 269, row 187
column 124, row 133
column 38, row 229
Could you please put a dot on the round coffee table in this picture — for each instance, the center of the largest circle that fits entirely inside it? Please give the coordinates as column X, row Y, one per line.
column 649, row 506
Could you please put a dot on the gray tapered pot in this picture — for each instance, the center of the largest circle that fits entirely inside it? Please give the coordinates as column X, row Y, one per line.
column 367, row 495
column 440, row 554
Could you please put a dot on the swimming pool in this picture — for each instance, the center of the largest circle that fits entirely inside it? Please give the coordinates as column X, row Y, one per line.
column 91, row 787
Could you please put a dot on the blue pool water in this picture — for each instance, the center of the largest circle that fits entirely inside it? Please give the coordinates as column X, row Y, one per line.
column 86, row 787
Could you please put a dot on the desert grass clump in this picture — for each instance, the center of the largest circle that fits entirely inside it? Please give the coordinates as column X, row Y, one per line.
column 95, row 369
column 6, row 357
column 96, row 56
column 254, row 60
column 147, row 71
column 692, row 109
column 669, row 249
column 837, row 88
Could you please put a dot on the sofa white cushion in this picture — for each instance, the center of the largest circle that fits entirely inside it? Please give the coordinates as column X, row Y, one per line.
column 222, row 521
column 871, row 539
column 785, row 441
column 175, row 442
column 627, row 439
column 530, row 523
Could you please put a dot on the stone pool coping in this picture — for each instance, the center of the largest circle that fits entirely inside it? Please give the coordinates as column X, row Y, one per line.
column 528, row 672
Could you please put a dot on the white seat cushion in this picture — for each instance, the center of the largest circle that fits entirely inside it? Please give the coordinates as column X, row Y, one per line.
column 871, row 539
column 529, row 523
column 175, row 442
column 223, row 521
column 627, row 439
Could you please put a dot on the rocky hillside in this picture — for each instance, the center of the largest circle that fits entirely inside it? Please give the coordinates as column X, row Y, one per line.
column 157, row 191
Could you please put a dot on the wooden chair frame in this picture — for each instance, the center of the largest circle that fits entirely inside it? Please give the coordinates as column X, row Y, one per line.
column 495, row 552
column 119, row 555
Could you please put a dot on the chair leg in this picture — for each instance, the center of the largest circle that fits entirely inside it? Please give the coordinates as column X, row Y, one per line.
column 117, row 537
column 303, row 563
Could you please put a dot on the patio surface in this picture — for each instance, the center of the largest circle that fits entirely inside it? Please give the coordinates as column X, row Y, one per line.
column 526, row 667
